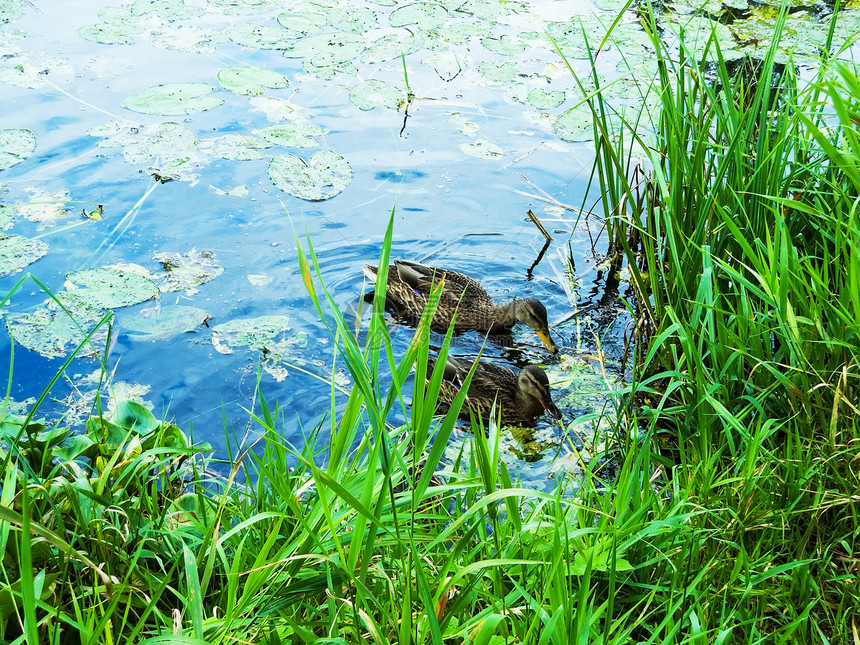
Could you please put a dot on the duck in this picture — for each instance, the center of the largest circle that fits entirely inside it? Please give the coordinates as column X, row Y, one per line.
column 521, row 397
column 408, row 289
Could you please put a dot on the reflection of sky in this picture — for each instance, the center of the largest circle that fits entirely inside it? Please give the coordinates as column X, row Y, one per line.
column 460, row 172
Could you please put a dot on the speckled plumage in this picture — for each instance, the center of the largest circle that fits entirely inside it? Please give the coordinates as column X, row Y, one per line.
column 522, row 397
column 409, row 286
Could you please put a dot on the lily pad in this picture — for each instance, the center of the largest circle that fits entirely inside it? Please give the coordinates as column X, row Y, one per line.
column 543, row 100
column 50, row 332
column 167, row 9
column 163, row 322
column 173, row 99
column 294, row 135
column 250, row 81
column 356, row 20
column 575, row 125
column 7, row 217
column 299, row 24
column 336, row 46
column 248, row 332
column 372, row 92
column 45, row 207
column 12, row 10
column 267, row 334
column 187, row 271
column 17, row 251
column 245, row 7
column 110, row 287
column 390, row 45
column 15, row 146
column 257, row 35
column 173, row 147
column 322, row 177
column 185, row 38
column 504, row 44
column 236, row 147
column 427, row 15
column 504, row 73
column 114, row 31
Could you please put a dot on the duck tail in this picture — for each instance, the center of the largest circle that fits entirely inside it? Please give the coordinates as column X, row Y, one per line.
column 370, row 271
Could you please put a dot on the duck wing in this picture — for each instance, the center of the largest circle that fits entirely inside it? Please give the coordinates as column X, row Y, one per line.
column 458, row 286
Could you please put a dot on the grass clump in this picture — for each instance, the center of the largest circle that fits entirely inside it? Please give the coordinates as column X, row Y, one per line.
column 731, row 517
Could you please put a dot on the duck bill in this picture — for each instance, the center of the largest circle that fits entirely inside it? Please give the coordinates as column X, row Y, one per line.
column 550, row 407
column 547, row 340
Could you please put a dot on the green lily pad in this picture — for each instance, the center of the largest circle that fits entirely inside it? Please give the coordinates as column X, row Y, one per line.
column 543, row 100
column 236, row 147
column 356, row 20
column 173, row 99
column 106, row 34
column 390, row 46
column 187, row 271
column 7, row 217
column 327, row 49
column 51, row 333
column 504, row 44
column 293, row 135
column 301, row 24
column 17, row 251
column 248, row 332
column 575, row 125
column 110, row 287
column 250, row 81
column 163, row 322
column 245, row 7
column 267, row 334
column 482, row 149
column 322, row 177
column 118, row 27
column 167, row 9
column 460, row 33
column 185, row 38
column 12, row 10
column 15, row 146
column 327, row 54
column 486, row 9
column 427, row 15
column 173, row 147
column 257, row 35
column 504, row 73
column 372, row 92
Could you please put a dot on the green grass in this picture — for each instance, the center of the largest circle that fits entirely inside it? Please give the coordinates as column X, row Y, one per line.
column 732, row 517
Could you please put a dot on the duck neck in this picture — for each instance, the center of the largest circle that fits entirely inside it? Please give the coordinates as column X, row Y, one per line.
column 505, row 316
column 527, row 406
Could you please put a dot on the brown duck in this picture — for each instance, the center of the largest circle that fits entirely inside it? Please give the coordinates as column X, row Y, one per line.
column 410, row 283
column 521, row 397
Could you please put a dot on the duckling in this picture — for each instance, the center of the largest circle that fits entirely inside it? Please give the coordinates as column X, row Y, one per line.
column 522, row 397
column 409, row 285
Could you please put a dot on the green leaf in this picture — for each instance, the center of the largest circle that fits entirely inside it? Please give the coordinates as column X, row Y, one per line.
column 16, row 252
column 427, row 15
column 131, row 415
column 109, row 287
column 163, row 322
column 173, row 99
column 323, row 176
column 250, row 81
column 15, row 146
column 372, row 92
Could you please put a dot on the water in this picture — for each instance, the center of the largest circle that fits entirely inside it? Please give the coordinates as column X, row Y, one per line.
column 450, row 208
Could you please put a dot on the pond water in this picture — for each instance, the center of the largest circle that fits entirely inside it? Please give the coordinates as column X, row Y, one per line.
column 458, row 116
